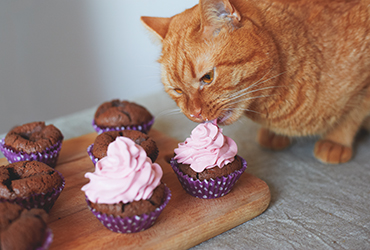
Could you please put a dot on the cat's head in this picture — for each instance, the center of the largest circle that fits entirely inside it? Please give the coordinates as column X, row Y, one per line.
column 213, row 60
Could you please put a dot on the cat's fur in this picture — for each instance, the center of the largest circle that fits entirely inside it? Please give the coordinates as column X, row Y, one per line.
column 298, row 68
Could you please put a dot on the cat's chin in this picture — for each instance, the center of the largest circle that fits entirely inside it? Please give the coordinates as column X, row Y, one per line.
column 226, row 118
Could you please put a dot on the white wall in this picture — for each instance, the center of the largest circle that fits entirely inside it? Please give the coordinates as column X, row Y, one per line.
column 60, row 57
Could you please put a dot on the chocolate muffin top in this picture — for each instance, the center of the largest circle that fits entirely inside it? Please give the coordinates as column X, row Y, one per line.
column 118, row 113
column 211, row 172
column 21, row 228
column 102, row 141
column 24, row 178
column 33, row 137
column 135, row 207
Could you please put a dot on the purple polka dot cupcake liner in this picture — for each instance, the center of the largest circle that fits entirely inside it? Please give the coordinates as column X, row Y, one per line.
column 92, row 157
column 40, row 200
column 145, row 127
column 48, row 240
column 132, row 224
column 208, row 189
column 49, row 156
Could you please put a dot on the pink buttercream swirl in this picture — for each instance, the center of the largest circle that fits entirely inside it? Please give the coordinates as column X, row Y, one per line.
column 207, row 147
column 126, row 174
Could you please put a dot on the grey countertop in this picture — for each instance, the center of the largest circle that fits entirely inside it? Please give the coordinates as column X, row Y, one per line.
column 313, row 205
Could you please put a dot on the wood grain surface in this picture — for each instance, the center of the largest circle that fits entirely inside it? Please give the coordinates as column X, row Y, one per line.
column 185, row 222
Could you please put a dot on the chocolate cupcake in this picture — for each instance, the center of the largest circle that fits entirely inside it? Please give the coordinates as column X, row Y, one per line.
column 33, row 141
column 133, row 208
column 207, row 164
column 122, row 115
column 23, row 229
column 215, row 172
column 99, row 148
column 30, row 184
column 125, row 192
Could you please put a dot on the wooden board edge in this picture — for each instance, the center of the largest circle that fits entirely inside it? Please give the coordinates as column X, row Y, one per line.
column 217, row 226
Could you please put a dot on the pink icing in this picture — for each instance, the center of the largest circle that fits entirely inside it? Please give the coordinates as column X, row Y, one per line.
column 126, row 174
column 207, row 147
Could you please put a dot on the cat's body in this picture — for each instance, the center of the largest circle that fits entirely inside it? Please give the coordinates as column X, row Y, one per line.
column 296, row 67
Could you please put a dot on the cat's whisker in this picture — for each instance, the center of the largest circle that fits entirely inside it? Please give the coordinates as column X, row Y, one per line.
column 244, row 94
column 229, row 106
column 256, row 97
column 259, row 81
column 251, row 98
column 245, row 91
column 248, row 110
column 267, row 74
column 169, row 112
column 252, row 91
column 253, row 111
column 266, row 80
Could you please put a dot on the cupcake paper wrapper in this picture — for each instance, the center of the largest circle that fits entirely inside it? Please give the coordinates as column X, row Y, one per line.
column 48, row 240
column 49, row 156
column 143, row 127
column 132, row 224
column 92, row 157
column 208, row 189
column 41, row 200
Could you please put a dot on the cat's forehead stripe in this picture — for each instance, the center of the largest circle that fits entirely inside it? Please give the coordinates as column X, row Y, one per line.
column 175, row 63
column 180, row 63
column 191, row 64
column 238, row 61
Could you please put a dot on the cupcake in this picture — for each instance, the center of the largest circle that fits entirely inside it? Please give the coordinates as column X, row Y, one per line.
column 99, row 148
column 30, row 184
column 125, row 192
column 207, row 164
column 23, row 229
column 33, row 141
column 122, row 115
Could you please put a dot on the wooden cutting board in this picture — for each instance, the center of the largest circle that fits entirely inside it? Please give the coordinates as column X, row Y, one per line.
column 185, row 222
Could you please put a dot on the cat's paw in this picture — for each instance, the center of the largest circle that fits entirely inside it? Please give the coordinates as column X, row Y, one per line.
column 270, row 140
column 331, row 152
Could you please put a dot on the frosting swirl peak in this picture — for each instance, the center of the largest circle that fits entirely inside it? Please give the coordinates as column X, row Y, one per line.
column 207, row 147
column 124, row 175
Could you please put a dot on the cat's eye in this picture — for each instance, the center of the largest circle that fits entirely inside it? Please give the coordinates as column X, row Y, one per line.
column 178, row 91
column 208, row 78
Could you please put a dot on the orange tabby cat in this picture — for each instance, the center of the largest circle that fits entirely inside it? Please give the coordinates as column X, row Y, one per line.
column 298, row 68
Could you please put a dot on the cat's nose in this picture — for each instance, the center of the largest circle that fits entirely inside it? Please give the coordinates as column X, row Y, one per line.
column 195, row 111
column 197, row 117
column 197, row 114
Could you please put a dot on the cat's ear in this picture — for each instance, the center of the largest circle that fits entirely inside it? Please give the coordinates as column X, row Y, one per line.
column 217, row 13
column 157, row 25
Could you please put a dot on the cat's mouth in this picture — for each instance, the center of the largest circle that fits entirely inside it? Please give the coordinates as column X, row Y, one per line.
column 224, row 117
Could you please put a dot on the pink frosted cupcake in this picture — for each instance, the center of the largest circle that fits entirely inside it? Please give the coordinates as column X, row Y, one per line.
column 33, row 141
column 207, row 164
column 125, row 192
column 98, row 149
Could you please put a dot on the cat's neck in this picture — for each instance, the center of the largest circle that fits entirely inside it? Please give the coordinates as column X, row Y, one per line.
column 309, row 54
column 291, row 59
